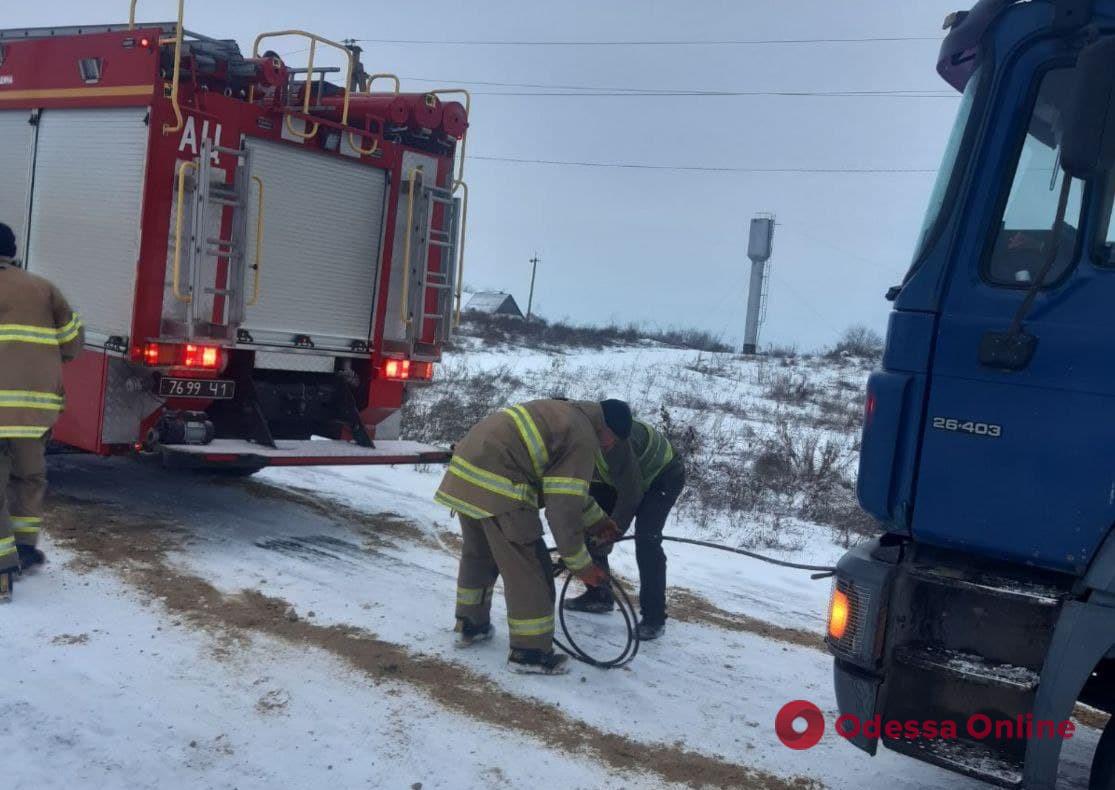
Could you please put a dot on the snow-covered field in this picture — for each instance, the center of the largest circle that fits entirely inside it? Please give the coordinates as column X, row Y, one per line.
column 293, row 630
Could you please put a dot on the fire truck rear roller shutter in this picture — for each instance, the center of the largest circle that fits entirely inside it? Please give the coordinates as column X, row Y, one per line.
column 17, row 133
column 321, row 247
column 90, row 166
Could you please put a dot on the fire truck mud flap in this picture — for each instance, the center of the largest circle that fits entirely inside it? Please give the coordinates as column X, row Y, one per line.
column 242, row 455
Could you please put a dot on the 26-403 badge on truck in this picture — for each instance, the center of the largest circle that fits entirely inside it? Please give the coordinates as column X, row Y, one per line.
column 987, row 429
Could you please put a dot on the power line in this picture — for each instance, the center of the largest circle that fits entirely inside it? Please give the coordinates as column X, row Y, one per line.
column 709, row 94
column 654, row 91
column 551, row 89
column 806, row 303
column 701, row 168
column 889, row 269
column 598, row 90
column 647, row 43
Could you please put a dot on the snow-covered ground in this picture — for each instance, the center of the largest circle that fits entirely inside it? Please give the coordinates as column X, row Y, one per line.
column 294, row 630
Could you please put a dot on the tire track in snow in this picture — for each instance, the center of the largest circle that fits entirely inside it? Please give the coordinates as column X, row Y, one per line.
column 105, row 535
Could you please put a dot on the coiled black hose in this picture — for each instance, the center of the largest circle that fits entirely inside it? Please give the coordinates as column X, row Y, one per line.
column 627, row 609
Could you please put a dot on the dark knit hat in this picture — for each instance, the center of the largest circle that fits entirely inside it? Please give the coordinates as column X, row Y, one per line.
column 7, row 242
column 617, row 416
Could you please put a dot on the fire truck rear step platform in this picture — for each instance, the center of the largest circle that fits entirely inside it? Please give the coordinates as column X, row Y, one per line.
column 244, row 455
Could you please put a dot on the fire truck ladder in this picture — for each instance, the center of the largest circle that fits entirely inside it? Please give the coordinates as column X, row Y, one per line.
column 419, row 276
column 445, row 242
column 213, row 197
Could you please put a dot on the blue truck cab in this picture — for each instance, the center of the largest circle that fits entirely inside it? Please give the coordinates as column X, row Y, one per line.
column 988, row 452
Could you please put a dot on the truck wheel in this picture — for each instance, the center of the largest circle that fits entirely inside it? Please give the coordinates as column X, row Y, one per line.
column 1103, row 762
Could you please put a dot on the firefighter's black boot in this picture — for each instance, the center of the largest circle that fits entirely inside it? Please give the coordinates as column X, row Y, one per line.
column 649, row 631
column 469, row 634
column 29, row 557
column 595, row 600
column 535, row 662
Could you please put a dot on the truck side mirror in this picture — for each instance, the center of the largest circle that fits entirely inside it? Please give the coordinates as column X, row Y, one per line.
column 1088, row 142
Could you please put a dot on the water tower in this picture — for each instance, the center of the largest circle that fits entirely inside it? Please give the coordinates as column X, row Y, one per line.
column 759, row 248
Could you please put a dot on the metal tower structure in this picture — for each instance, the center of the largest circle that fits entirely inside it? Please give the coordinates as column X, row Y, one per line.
column 759, row 248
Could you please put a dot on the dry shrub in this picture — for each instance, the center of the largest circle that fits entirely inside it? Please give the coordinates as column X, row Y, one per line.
column 539, row 332
column 790, row 388
column 859, row 341
column 461, row 397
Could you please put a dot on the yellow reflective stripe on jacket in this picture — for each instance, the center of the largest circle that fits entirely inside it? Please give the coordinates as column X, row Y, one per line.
column 41, row 335
column 7, row 546
column 24, row 333
column 21, row 431
column 489, row 481
column 578, row 561
column 70, row 330
column 569, row 486
column 592, row 513
column 537, row 626
column 652, row 458
column 28, row 399
column 602, row 468
column 531, row 436
column 655, row 456
column 448, row 500
column 471, row 596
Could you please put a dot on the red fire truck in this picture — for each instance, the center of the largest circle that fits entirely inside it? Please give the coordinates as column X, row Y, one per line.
column 264, row 256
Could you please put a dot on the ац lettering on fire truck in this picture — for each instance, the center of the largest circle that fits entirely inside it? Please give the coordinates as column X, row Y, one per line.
column 190, row 139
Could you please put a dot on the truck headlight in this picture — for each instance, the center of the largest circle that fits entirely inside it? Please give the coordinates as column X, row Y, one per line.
column 847, row 611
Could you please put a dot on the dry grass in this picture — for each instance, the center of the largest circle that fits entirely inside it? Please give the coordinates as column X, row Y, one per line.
column 542, row 333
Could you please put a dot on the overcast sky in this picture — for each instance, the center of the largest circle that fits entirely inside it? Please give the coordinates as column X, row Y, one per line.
column 664, row 247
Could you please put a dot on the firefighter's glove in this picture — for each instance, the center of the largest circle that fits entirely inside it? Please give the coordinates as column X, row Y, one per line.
column 602, row 535
column 593, row 576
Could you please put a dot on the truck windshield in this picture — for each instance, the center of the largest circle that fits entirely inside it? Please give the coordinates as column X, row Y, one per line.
column 948, row 167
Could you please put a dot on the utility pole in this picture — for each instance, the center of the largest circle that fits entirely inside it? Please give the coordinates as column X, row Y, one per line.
column 533, row 270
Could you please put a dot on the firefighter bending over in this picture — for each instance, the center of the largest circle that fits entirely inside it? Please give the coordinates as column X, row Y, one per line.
column 638, row 478
column 535, row 455
column 38, row 332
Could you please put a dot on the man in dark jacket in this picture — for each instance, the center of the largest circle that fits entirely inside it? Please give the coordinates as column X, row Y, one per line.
column 637, row 479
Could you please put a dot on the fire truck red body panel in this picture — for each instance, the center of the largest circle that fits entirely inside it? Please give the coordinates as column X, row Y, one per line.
column 296, row 370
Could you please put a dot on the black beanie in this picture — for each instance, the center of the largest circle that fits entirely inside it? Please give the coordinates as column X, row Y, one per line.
column 617, row 416
column 7, row 242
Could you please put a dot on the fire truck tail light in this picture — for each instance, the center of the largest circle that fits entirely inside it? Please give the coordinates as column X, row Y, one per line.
column 406, row 370
column 189, row 355
column 397, row 369
column 205, row 357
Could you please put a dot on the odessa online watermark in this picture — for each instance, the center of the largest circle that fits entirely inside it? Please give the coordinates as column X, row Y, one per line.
column 978, row 727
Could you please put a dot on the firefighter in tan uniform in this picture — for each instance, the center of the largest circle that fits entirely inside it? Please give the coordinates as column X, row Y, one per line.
column 38, row 332
column 535, row 455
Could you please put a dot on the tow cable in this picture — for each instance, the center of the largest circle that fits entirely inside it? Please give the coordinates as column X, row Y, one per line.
column 627, row 609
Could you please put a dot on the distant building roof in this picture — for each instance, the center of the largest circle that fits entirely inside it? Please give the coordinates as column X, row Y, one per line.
column 494, row 303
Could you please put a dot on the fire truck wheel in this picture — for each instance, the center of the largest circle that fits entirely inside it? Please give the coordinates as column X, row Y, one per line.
column 1103, row 762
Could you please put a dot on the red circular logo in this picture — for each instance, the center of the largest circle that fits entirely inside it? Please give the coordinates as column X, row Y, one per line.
column 814, row 724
